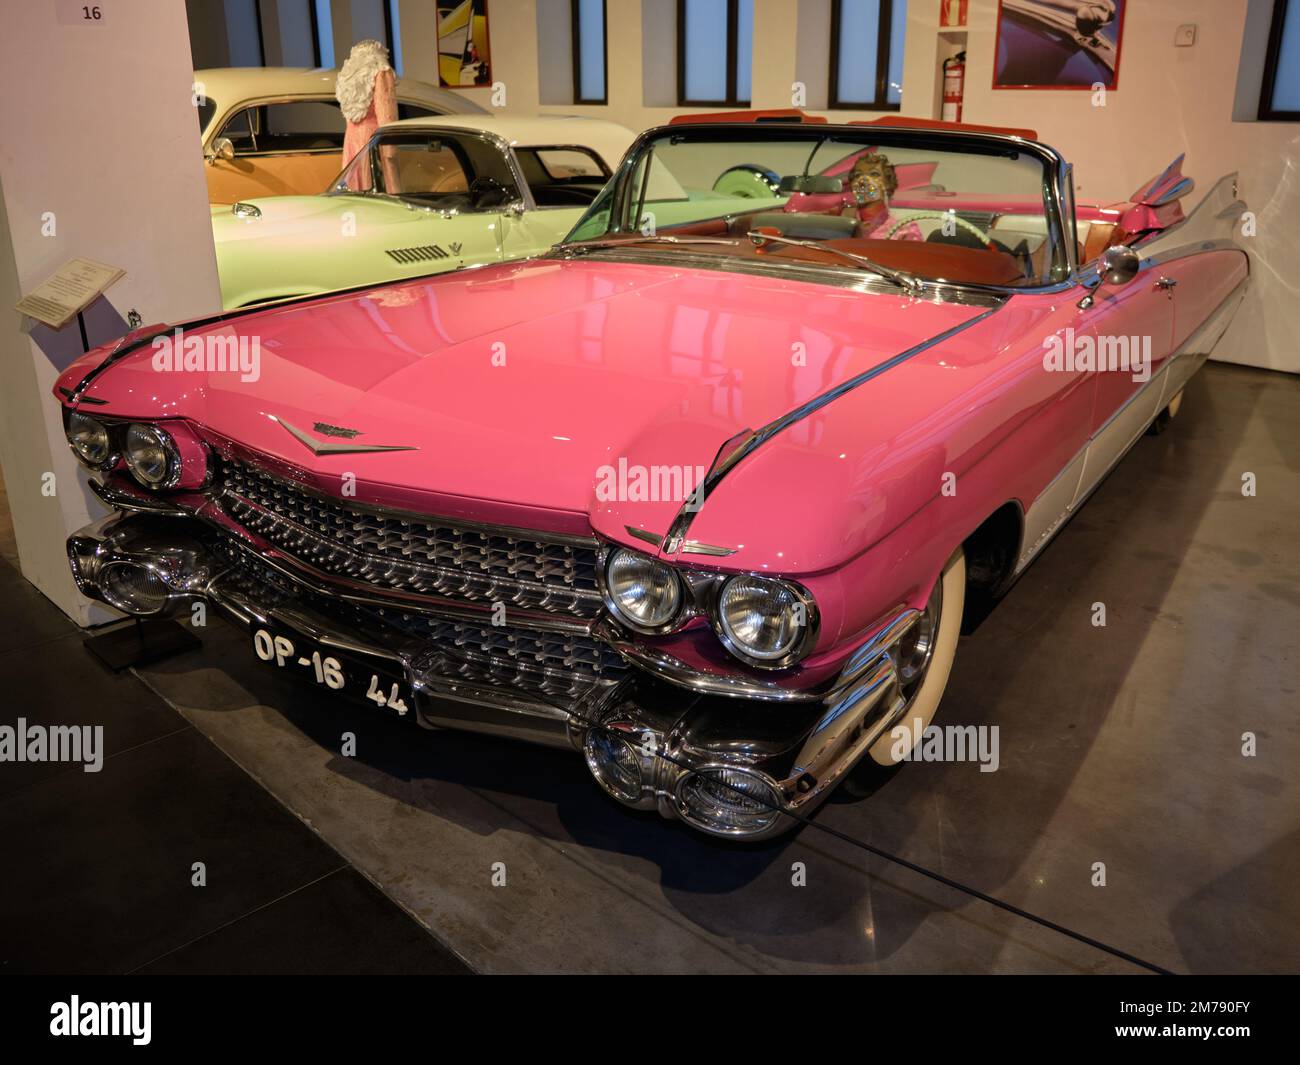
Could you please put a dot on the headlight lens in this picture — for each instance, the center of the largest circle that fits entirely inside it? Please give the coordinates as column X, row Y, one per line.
column 89, row 439
column 642, row 591
column 762, row 618
column 152, row 456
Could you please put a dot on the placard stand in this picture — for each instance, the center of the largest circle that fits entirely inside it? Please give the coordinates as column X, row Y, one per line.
column 142, row 641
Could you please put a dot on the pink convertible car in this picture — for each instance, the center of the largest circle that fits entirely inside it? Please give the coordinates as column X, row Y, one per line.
column 703, row 491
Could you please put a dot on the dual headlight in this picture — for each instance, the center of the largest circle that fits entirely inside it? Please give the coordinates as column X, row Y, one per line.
column 763, row 621
column 89, row 440
column 150, row 452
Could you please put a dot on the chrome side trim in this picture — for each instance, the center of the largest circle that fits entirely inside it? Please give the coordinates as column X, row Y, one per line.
column 644, row 535
column 724, row 464
column 120, row 350
column 67, row 394
column 1043, row 520
column 694, row 547
column 690, row 547
column 1185, row 251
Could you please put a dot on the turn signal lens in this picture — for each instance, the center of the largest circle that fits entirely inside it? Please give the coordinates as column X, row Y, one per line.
column 728, row 802
column 132, row 588
column 614, row 763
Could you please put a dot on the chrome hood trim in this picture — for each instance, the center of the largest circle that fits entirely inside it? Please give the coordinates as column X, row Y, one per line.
column 744, row 444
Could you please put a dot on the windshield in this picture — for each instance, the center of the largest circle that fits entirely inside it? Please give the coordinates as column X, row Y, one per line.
column 967, row 208
column 436, row 169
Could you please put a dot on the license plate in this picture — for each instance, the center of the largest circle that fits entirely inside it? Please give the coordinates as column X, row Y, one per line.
column 332, row 670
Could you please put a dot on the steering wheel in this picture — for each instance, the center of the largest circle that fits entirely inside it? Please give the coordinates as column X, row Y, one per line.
column 486, row 193
column 944, row 216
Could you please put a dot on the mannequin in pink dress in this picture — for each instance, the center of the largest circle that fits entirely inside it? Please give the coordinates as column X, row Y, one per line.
column 366, row 90
column 871, row 183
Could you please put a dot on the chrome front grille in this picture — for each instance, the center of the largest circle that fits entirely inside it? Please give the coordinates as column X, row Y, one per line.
column 412, row 554
column 563, row 666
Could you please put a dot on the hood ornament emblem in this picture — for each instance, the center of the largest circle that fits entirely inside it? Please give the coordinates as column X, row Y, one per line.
column 331, row 447
column 335, row 430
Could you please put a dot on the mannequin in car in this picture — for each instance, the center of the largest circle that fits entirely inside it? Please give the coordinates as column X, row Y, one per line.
column 871, row 183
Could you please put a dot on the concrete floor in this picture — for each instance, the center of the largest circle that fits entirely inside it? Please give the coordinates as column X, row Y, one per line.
column 97, row 867
column 1119, row 745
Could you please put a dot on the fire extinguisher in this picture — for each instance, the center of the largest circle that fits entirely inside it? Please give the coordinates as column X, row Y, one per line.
column 954, row 80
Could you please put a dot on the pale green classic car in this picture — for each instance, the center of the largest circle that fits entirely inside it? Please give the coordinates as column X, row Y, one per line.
column 424, row 196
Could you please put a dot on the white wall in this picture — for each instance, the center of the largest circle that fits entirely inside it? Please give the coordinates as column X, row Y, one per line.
column 1169, row 100
column 99, row 132
column 1173, row 100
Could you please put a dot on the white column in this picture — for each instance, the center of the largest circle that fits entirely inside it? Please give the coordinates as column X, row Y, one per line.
column 99, row 159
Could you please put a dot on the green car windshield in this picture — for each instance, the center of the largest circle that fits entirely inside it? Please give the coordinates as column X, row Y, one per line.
column 965, row 208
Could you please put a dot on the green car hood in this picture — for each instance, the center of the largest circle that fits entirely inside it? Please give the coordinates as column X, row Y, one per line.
column 288, row 216
column 304, row 245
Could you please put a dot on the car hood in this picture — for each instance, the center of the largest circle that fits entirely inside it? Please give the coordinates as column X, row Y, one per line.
column 538, row 388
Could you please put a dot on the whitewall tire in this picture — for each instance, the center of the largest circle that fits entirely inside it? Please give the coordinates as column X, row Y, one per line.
column 930, row 649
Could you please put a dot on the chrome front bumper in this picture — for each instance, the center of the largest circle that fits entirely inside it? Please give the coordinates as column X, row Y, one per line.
column 739, row 767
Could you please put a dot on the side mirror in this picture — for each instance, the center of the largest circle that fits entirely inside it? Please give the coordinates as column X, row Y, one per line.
column 514, row 209
column 221, row 149
column 1119, row 265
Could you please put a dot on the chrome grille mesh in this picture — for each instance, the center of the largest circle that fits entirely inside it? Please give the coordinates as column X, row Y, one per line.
column 410, row 554
column 563, row 666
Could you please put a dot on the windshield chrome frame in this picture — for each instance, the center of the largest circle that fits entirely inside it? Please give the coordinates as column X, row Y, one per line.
column 495, row 139
column 1058, row 190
